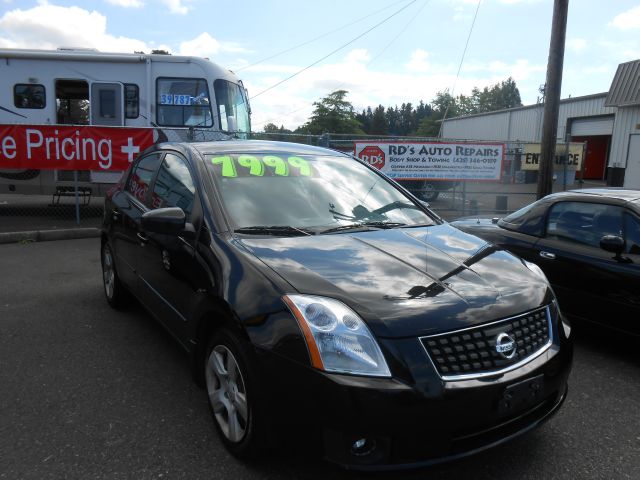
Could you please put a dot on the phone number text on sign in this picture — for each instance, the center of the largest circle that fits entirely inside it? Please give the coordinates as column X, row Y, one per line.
column 434, row 160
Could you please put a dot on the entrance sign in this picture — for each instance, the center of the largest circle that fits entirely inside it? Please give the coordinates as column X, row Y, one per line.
column 572, row 157
column 434, row 160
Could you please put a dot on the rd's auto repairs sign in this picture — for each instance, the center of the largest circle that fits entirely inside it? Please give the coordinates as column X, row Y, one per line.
column 71, row 148
column 434, row 160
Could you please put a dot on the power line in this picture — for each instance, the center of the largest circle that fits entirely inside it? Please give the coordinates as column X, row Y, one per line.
column 333, row 51
column 318, row 37
column 378, row 55
column 464, row 52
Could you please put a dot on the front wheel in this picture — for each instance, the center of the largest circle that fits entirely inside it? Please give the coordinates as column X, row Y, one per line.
column 232, row 396
column 117, row 295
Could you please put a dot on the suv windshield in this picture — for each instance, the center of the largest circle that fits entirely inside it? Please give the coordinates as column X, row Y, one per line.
column 309, row 193
column 233, row 110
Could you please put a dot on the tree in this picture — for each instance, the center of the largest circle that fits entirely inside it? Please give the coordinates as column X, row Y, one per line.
column 332, row 114
column 270, row 128
column 379, row 124
column 445, row 104
column 159, row 52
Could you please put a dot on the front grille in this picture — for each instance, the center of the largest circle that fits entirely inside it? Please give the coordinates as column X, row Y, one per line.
column 472, row 352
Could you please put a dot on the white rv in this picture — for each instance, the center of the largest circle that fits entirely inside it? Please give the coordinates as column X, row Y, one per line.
column 181, row 98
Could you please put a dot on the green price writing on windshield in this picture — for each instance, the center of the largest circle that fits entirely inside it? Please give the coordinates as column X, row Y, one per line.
column 251, row 165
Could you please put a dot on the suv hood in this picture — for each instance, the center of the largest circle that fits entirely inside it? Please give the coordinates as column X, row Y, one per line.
column 407, row 281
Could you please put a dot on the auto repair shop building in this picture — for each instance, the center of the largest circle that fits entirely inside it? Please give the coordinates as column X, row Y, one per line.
column 608, row 122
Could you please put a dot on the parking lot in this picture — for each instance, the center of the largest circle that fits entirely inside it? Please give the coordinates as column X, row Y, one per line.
column 88, row 392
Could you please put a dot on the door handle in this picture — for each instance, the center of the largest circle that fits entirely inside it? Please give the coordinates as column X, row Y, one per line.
column 115, row 214
column 142, row 237
column 548, row 255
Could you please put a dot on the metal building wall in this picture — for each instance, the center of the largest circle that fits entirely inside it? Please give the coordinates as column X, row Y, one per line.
column 488, row 126
column 585, row 107
column 627, row 122
column 525, row 123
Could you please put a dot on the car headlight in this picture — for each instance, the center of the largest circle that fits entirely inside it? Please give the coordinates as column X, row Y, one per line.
column 337, row 338
column 536, row 269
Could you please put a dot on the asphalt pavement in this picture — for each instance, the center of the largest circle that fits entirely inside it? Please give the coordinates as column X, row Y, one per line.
column 87, row 392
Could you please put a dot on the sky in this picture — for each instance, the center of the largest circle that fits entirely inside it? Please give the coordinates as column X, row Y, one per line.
column 383, row 52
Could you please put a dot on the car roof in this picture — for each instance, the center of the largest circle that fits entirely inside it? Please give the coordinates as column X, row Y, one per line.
column 616, row 194
column 250, row 146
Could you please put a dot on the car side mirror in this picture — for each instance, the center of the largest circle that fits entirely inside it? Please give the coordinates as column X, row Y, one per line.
column 613, row 244
column 169, row 221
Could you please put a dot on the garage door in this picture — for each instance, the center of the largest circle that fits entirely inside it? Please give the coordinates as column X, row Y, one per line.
column 592, row 126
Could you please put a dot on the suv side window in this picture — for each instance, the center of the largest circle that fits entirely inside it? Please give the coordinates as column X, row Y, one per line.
column 584, row 223
column 174, row 185
column 141, row 175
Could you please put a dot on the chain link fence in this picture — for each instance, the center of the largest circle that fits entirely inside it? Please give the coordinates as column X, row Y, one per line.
column 59, row 199
column 451, row 200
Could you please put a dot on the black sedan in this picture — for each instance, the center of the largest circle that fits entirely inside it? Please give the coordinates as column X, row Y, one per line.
column 587, row 242
column 323, row 305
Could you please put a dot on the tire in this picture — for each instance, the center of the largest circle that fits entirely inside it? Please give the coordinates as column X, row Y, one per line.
column 116, row 294
column 231, row 387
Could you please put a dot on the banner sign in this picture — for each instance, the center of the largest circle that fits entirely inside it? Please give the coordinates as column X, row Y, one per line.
column 43, row 147
column 572, row 157
column 434, row 160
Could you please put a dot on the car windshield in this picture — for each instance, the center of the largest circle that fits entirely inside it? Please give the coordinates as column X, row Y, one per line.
column 302, row 194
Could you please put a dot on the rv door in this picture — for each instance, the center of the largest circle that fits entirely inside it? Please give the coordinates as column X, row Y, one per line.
column 107, row 104
column 107, row 108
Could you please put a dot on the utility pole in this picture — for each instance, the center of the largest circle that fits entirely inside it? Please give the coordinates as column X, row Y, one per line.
column 552, row 97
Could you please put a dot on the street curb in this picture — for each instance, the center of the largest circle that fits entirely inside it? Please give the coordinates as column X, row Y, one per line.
column 48, row 235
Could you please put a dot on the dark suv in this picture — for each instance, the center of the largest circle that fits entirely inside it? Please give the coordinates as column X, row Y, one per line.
column 316, row 298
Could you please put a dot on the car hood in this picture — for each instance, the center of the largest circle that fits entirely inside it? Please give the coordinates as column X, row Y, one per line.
column 409, row 281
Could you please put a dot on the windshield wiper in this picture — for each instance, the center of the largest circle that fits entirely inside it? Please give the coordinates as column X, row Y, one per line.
column 364, row 226
column 273, row 230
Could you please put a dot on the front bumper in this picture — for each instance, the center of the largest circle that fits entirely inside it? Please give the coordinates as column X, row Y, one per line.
column 407, row 424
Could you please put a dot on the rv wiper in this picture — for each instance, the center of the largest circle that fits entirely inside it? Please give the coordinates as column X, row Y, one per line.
column 273, row 230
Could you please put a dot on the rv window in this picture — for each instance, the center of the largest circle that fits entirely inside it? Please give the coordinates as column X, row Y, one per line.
column 183, row 102
column 107, row 104
column 29, row 96
column 72, row 102
column 233, row 113
column 131, row 100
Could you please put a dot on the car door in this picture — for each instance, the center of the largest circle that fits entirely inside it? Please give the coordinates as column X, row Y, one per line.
column 126, row 210
column 590, row 283
column 172, row 274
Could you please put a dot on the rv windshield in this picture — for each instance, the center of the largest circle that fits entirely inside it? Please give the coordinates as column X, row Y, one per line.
column 233, row 112
column 183, row 102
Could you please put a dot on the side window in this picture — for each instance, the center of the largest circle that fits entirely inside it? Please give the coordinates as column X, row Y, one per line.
column 183, row 102
column 131, row 100
column 141, row 175
column 584, row 223
column 174, row 185
column 632, row 234
column 28, row 95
